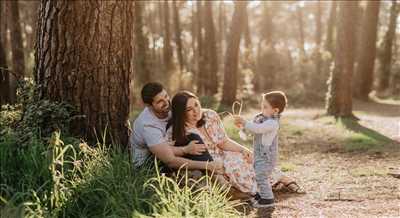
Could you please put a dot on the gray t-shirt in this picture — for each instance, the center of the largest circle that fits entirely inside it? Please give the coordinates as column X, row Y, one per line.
column 147, row 130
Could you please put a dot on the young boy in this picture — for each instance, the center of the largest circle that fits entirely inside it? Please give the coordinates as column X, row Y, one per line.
column 265, row 128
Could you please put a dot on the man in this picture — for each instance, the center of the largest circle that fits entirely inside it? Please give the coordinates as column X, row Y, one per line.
column 149, row 134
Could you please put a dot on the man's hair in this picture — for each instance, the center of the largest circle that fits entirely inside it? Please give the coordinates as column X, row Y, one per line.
column 277, row 99
column 150, row 90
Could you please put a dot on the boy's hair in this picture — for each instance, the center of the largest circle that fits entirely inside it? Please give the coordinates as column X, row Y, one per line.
column 277, row 99
column 150, row 90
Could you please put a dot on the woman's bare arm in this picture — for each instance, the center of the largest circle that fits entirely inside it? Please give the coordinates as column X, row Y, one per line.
column 231, row 145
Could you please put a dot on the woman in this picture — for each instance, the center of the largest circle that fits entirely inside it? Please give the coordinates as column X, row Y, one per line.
column 237, row 159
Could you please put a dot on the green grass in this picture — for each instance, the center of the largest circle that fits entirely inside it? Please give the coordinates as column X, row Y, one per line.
column 360, row 142
column 56, row 179
column 286, row 166
column 362, row 139
column 368, row 171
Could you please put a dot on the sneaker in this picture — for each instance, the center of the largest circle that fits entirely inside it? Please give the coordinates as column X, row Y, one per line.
column 254, row 199
column 263, row 203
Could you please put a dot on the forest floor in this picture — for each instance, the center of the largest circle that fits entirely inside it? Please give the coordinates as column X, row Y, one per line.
column 343, row 166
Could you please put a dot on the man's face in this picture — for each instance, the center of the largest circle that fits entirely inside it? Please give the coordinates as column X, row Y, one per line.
column 161, row 103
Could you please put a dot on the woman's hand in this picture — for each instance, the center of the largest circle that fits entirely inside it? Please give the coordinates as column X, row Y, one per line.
column 194, row 148
column 239, row 121
column 216, row 166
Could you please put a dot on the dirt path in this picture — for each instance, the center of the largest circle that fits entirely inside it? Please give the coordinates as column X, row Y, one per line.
column 339, row 183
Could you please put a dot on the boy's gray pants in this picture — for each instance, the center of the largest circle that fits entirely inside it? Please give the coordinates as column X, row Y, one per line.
column 264, row 162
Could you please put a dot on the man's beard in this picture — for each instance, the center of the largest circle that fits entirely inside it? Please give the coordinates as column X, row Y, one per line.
column 167, row 108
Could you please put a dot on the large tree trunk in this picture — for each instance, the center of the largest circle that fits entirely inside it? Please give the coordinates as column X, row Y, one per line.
column 17, row 48
column 232, row 54
column 330, row 42
column 211, row 49
column 387, row 47
column 4, row 76
column 84, row 56
column 142, row 69
column 339, row 97
column 366, row 61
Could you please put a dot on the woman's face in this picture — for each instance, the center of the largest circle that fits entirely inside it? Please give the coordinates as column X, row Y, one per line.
column 193, row 111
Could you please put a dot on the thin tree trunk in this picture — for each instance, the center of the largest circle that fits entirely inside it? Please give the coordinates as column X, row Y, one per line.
column 318, row 75
column 141, row 47
column 232, row 54
column 366, row 61
column 211, row 45
column 84, row 56
column 387, row 48
column 193, row 27
column 339, row 98
column 178, row 40
column 221, row 35
column 168, row 58
column 201, row 64
column 300, row 22
column 303, row 56
column 17, row 48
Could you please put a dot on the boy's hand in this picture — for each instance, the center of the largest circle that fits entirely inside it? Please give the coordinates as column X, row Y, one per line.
column 239, row 121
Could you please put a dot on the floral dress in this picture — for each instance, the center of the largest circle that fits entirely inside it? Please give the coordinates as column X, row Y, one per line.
column 238, row 169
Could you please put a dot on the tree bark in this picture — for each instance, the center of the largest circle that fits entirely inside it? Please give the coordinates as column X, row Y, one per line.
column 300, row 22
column 232, row 54
column 318, row 77
column 339, row 97
column 330, row 42
column 84, row 56
column 201, row 64
column 142, row 69
column 366, row 61
column 4, row 76
column 387, row 48
column 178, row 40
column 211, row 46
column 221, row 35
column 17, row 48
column 168, row 58
column 265, row 67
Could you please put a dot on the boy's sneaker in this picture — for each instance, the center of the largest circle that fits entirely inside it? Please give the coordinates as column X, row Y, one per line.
column 254, row 199
column 264, row 203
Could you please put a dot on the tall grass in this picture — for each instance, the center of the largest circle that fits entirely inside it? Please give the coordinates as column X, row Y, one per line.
column 57, row 179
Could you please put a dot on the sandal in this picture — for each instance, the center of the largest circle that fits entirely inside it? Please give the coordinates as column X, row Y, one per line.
column 278, row 186
column 293, row 187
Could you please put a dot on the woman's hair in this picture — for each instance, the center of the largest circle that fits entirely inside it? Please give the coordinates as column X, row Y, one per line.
column 178, row 118
column 277, row 99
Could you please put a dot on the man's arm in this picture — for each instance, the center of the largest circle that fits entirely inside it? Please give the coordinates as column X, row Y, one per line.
column 166, row 155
